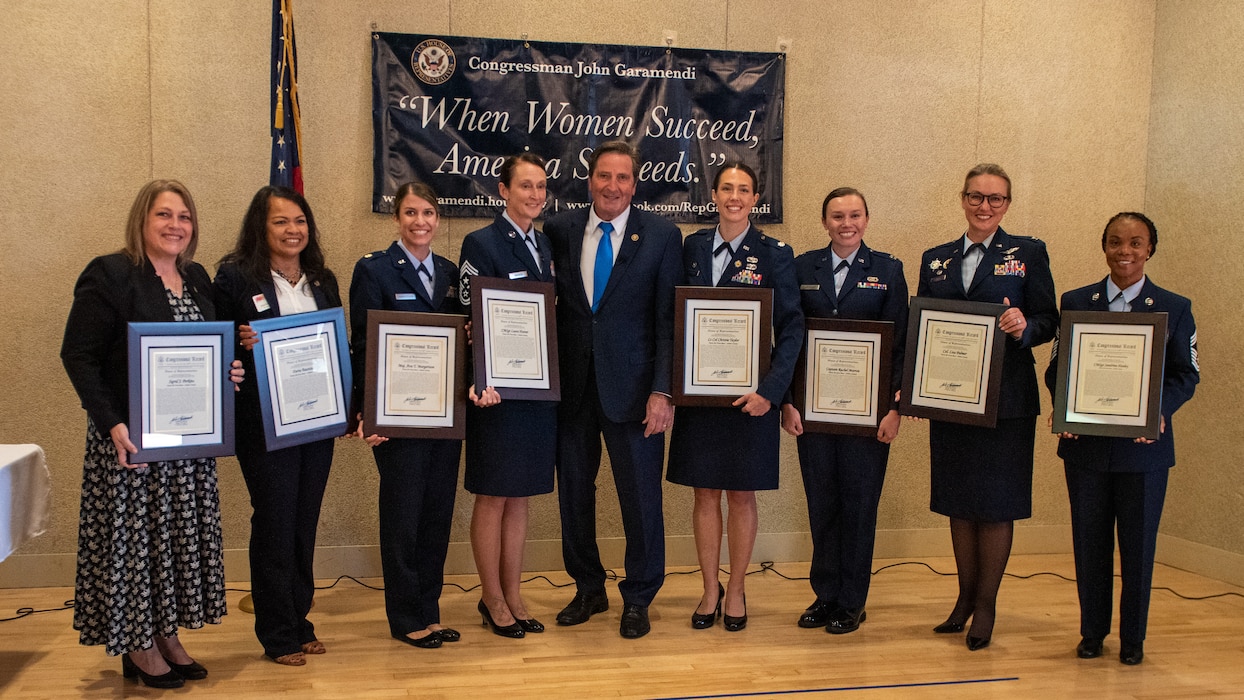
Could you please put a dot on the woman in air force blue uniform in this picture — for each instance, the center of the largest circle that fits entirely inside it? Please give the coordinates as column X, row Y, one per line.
column 1116, row 482
column 843, row 474
column 982, row 477
column 418, row 476
column 735, row 449
column 511, row 446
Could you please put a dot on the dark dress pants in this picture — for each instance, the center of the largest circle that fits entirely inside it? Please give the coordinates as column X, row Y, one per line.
column 418, row 483
column 286, row 488
column 842, row 479
column 1100, row 501
column 636, row 462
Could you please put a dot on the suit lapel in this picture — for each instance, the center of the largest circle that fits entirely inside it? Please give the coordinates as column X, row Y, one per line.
column 406, row 270
column 631, row 238
column 574, row 241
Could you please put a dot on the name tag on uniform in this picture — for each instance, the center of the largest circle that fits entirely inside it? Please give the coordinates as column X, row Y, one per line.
column 261, row 302
column 518, row 275
column 405, row 296
column 810, row 287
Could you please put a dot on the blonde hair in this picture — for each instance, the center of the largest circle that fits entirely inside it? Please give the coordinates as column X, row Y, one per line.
column 143, row 203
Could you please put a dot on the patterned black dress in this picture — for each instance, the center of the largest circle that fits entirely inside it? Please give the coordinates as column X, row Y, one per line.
column 149, row 542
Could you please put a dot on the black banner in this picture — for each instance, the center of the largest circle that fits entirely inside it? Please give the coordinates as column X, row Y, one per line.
column 447, row 110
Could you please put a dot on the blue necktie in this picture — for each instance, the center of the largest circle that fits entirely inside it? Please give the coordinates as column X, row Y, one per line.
column 604, row 264
column 426, row 278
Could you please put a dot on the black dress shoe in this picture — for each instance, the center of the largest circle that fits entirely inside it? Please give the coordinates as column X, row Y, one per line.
column 703, row 622
column 817, row 614
column 430, row 641
column 193, row 671
column 530, row 626
column 734, row 624
column 634, row 621
column 1089, row 648
column 172, row 679
column 512, row 630
column 1132, row 654
column 582, row 608
column 977, row 643
column 949, row 627
column 448, row 635
column 845, row 620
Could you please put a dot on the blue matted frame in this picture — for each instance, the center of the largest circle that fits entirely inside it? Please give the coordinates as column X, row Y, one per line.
column 159, row 342
column 289, row 421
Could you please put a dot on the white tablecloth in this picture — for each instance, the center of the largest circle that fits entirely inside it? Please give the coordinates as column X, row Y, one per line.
column 25, row 491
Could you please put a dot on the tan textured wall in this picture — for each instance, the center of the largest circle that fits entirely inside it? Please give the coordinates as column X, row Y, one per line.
column 1195, row 194
column 896, row 98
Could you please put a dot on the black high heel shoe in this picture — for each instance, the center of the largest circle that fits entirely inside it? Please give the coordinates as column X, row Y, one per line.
column 703, row 622
column 193, row 671
column 513, row 630
column 732, row 623
column 530, row 625
column 129, row 669
column 949, row 627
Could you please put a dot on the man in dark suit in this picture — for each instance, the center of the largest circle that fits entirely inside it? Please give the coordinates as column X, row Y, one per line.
column 616, row 271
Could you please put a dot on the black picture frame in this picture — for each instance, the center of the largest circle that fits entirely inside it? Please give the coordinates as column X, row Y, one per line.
column 752, row 307
column 1118, row 403
column 876, row 338
column 952, row 370
column 441, row 340
column 533, row 309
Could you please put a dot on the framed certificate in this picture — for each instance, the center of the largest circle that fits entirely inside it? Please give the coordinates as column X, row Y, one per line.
column 723, row 339
column 181, row 398
column 953, row 368
column 302, row 367
column 416, row 365
column 1110, row 370
column 842, row 381
column 514, row 335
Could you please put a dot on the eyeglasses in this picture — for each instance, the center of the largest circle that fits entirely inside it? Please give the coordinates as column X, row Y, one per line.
column 976, row 199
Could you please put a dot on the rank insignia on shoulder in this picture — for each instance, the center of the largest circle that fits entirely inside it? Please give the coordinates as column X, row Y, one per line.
column 369, row 255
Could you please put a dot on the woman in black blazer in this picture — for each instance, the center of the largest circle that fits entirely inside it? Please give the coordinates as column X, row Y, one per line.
column 277, row 269
column 149, row 541
column 1117, row 484
column 418, row 476
column 981, row 478
column 511, row 446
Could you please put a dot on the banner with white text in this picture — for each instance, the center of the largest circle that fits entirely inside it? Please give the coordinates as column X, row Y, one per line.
column 448, row 110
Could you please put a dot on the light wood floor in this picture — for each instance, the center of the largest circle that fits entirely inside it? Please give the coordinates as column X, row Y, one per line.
column 1194, row 647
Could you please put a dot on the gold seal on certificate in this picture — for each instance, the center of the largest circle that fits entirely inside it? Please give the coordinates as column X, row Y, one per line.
column 1110, row 374
column 842, row 382
column 514, row 334
column 722, row 342
column 416, row 363
column 953, row 364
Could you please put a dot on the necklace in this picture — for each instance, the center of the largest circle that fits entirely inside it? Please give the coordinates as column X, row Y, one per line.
column 292, row 279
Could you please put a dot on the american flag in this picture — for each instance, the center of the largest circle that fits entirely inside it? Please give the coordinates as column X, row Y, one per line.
column 286, row 117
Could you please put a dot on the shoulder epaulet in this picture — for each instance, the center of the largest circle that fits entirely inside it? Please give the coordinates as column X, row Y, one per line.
column 1034, row 239
column 770, row 240
column 376, row 254
column 883, row 254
